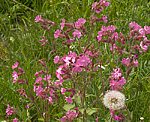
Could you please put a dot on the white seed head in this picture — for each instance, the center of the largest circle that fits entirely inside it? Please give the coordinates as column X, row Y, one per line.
column 114, row 100
column 141, row 118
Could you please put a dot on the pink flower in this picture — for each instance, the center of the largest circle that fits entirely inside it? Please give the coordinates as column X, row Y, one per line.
column 126, row 61
column 99, row 6
column 38, row 18
column 71, row 115
column 38, row 80
column 15, row 76
column 50, row 100
column 77, row 34
column 47, row 77
column 79, row 23
column 135, row 63
column 62, row 24
column 83, row 61
column 115, row 36
column 100, row 34
column 15, row 65
column 56, row 59
column 69, row 100
column 143, row 46
column 9, row 110
column 63, row 119
column 77, row 69
column 147, row 29
column 15, row 120
column 63, row 90
column 134, row 26
column 57, row 33
column 104, row 18
column 116, row 73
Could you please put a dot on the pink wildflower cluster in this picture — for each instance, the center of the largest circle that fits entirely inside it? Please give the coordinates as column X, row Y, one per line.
column 77, row 29
column 116, row 117
column 10, row 110
column 108, row 32
column 70, row 116
column 70, row 64
column 45, row 23
column 140, row 34
column 130, row 62
column 17, row 73
column 100, row 6
column 44, row 88
column 117, row 81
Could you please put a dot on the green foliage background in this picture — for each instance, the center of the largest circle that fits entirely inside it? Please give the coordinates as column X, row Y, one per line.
column 19, row 37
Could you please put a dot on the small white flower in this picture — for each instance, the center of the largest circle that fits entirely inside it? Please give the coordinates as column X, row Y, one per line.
column 141, row 118
column 114, row 100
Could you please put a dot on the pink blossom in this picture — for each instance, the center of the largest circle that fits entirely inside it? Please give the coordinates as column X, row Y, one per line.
column 50, row 100
column 71, row 115
column 56, row 59
column 79, row 23
column 116, row 73
column 77, row 69
column 62, row 24
column 67, row 60
column 134, row 26
column 47, row 77
column 15, row 65
column 142, row 32
column 57, row 33
column 115, row 36
column 100, row 34
column 9, row 110
column 99, row 6
column 15, row 120
column 143, row 46
column 126, row 61
column 77, row 34
column 147, row 29
column 112, row 47
column 104, row 18
column 135, row 63
column 83, row 61
column 38, row 80
column 38, row 18
column 63, row 119
column 63, row 90
column 15, row 76
column 69, row 100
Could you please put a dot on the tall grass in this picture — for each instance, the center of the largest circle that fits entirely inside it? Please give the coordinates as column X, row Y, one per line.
column 19, row 37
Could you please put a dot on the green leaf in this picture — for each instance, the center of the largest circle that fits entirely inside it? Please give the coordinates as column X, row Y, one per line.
column 91, row 111
column 41, row 119
column 68, row 106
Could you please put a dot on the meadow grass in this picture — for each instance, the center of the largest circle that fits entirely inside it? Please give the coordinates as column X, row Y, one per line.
column 19, row 41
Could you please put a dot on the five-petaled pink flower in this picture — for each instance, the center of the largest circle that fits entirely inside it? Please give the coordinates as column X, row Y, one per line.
column 9, row 110
column 77, row 34
column 57, row 33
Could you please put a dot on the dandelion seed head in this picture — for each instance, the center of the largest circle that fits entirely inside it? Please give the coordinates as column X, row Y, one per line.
column 114, row 100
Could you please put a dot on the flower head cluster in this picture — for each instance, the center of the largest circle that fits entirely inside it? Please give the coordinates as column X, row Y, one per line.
column 117, row 80
column 45, row 23
column 9, row 110
column 108, row 32
column 114, row 100
column 99, row 6
column 70, row 31
column 71, row 63
column 43, row 87
column 70, row 116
